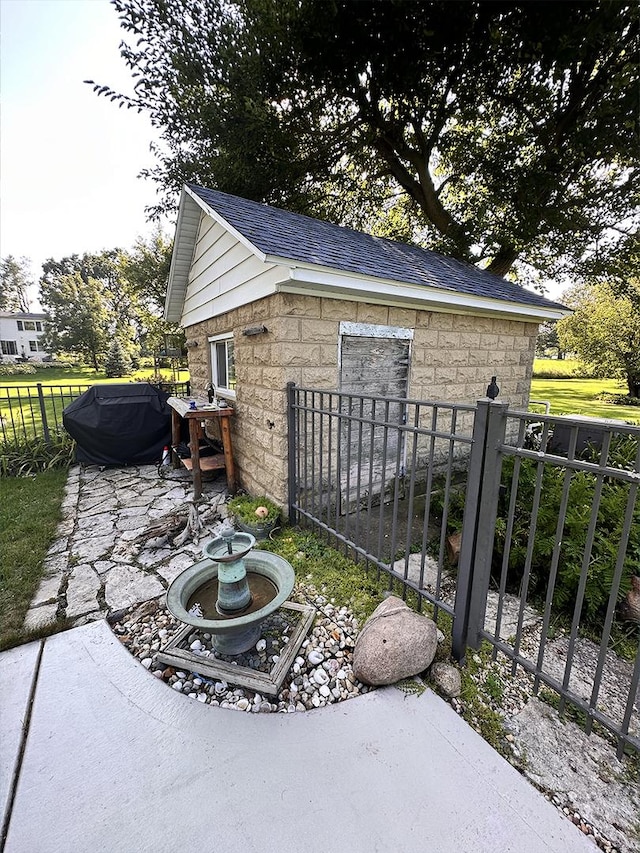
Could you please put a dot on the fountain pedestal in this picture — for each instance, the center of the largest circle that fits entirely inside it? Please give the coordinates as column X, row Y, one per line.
column 236, row 589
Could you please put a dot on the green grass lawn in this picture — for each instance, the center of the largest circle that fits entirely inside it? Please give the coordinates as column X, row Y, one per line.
column 558, row 368
column 579, row 397
column 20, row 406
column 29, row 514
column 85, row 376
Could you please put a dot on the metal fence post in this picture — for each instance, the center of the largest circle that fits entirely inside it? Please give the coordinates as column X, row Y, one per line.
column 291, row 452
column 478, row 526
column 43, row 414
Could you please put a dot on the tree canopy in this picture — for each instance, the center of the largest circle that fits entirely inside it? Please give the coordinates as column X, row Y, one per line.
column 604, row 331
column 494, row 131
column 94, row 300
column 77, row 317
column 15, row 280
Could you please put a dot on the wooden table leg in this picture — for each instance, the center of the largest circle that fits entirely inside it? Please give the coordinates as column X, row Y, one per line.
column 175, row 436
column 225, row 429
column 194, row 442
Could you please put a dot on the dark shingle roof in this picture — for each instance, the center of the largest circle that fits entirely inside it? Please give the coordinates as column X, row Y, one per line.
column 312, row 241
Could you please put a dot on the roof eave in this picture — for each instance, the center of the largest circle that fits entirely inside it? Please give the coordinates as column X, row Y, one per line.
column 328, row 282
column 184, row 242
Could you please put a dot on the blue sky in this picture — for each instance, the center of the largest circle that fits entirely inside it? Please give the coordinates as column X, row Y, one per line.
column 69, row 160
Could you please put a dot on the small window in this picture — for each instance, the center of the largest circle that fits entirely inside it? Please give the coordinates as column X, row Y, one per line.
column 223, row 366
column 29, row 325
column 38, row 326
column 20, row 326
column 33, row 346
column 9, row 347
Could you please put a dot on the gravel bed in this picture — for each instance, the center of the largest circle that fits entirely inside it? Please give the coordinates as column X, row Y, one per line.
column 321, row 674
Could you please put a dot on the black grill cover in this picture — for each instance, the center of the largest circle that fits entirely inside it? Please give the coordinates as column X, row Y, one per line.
column 119, row 424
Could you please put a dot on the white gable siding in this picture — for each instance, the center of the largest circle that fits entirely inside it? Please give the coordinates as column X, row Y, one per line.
column 224, row 274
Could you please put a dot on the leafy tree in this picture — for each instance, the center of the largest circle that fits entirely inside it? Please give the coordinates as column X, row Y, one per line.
column 616, row 261
column 77, row 317
column 122, row 291
column 509, row 127
column 604, row 331
column 105, row 268
column 548, row 339
column 15, row 279
column 146, row 270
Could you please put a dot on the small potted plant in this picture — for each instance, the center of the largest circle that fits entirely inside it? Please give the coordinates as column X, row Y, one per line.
column 257, row 516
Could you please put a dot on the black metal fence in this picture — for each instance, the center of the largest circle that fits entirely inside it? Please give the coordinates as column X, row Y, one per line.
column 523, row 529
column 30, row 412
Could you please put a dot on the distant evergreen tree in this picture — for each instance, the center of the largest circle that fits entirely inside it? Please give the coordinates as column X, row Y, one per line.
column 117, row 363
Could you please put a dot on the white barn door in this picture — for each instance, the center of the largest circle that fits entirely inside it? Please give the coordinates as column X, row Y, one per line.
column 374, row 361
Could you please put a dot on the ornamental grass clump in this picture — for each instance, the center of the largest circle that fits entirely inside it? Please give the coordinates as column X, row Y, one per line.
column 25, row 458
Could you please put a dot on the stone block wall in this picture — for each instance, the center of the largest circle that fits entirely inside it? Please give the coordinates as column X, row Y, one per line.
column 453, row 358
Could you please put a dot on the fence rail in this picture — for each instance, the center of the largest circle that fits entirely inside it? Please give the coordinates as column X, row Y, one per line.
column 524, row 529
column 29, row 412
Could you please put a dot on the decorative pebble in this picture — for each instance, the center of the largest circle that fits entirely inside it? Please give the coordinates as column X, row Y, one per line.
column 320, row 676
column 261, row 645
column 315, row 657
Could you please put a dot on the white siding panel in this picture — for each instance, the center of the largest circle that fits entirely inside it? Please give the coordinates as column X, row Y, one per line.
column 206, row 224
column 213, row 245
column 225, row 274
column 216, row 266
column 261, row 285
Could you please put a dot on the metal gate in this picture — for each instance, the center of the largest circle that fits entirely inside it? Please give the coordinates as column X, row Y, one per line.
column 523, row 529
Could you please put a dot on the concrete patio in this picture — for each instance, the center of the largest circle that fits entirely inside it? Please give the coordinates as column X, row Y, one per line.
column 98, row 755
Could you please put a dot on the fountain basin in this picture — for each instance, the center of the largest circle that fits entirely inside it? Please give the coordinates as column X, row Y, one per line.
column 231, row 634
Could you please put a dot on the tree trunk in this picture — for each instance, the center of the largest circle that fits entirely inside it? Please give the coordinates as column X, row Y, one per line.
column 633, row 384
column 503, row 261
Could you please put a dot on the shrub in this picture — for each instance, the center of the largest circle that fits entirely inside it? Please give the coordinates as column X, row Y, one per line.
column 608, row 531
column 16, row 369
column 619, row 399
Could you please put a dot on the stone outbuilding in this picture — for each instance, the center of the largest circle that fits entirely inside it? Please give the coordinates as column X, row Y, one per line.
column 267, row 297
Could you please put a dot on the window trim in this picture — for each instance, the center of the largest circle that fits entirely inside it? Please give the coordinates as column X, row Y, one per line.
column 223, row 390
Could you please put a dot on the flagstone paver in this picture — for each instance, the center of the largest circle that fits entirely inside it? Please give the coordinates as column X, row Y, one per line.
column 108, row 553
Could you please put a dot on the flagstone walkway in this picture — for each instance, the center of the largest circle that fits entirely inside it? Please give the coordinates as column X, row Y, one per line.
column 107, row 554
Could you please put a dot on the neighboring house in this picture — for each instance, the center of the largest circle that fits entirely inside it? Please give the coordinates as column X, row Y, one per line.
column 21, row 336
column 267, row 297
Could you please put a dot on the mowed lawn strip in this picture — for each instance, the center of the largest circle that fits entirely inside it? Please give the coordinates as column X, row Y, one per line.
column 29, row 515
column 84, row 376
column 580, row 397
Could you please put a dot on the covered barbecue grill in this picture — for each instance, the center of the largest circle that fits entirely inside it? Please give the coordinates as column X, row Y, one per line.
column 119, row 424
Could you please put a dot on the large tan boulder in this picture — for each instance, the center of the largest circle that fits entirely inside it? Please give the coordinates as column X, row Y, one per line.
column 394, row 643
